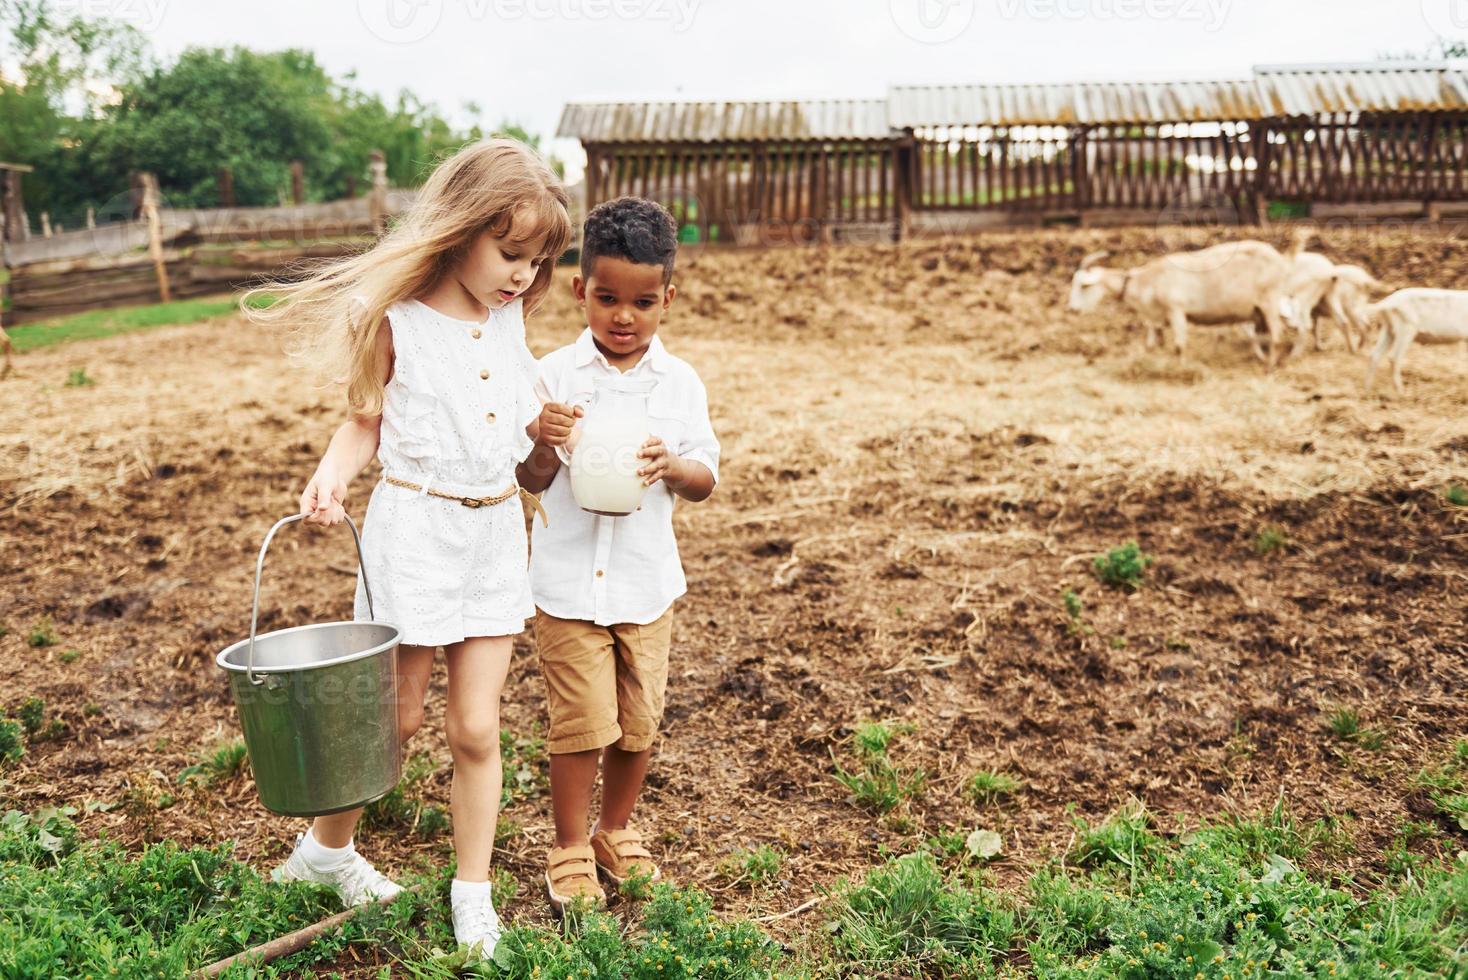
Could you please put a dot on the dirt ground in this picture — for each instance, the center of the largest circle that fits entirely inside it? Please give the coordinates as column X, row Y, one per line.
column 921, row 449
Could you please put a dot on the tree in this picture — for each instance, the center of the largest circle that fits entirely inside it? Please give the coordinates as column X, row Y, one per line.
column 90, row 107
column 66, row 67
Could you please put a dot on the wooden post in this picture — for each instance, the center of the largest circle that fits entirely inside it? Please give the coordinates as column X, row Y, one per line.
column 1263, row 160
column 16, row 225
column 5, row 346
column 377, row 200
column 45, row 224
column 1080, row 171
column 155, row 233
column 135, row 195
column 91, row 219
column 351, row 187
column 902, row 187
column 298, row 182
column 226, row 187
column 593, row 175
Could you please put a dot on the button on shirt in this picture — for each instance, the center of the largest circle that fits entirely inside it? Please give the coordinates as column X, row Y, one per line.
column 610, row 570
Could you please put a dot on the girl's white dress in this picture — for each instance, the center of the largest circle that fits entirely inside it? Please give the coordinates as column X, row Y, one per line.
column 453, row 419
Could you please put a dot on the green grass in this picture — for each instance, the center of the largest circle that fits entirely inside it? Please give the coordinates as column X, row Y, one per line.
column 79, row 909
column 1075, row 625
column 1345, row 724
column 220, row 765
column 1270, row 539
column 987, row 787
column 1231, row 899
column 1454, row 494
column 525, row 765
column 404, row 809
column 756, row 866
column 876, row 783
column 42, row 634
column 95, row 324
column 1447, row 785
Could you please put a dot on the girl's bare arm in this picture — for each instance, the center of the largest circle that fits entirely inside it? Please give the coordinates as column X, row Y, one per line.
column 352, row 447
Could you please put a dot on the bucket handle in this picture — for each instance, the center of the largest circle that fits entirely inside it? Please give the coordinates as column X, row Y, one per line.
column 260, row 565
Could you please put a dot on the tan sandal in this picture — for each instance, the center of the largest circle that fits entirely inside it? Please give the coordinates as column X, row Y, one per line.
column 570, row 877
column 621, row 854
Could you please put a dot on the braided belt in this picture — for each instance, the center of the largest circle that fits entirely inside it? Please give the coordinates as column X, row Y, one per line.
column 476, row 502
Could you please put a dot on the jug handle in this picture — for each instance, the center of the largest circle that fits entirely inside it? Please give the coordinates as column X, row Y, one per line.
column 260, row 565
column 583, row 402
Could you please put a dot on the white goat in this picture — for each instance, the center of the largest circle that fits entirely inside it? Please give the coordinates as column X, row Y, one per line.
column 1319, row 288
column 1227, row 283
column 1437, row 316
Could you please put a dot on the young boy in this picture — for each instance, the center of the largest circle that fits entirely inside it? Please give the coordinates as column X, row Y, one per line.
column 604, row 587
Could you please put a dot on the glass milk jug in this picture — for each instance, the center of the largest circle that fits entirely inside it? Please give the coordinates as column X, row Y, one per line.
column 602, row 450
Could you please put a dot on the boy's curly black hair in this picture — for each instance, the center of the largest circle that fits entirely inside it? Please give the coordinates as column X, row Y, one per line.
column 631, row 228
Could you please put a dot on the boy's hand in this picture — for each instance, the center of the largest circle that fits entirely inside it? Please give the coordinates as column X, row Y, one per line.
column 662, row 464
column 556, row 422
column 323, row 501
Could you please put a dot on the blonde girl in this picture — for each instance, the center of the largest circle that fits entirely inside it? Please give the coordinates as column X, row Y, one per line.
column 427, row 331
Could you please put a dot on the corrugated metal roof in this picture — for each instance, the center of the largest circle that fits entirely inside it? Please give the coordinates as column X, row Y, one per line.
column 1390, row 87
column 709, row 122
column 1065, row 104
column 1275, row 90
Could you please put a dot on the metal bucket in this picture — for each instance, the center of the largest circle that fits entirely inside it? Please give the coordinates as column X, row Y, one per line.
column 319, row 706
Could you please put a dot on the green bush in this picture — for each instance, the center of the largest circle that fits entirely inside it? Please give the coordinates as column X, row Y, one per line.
column 32, row 713
column 12, row 744
column 1122, row 567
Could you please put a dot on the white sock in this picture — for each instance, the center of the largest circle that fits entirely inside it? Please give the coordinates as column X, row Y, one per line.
column 324, row 858
column 461, row 891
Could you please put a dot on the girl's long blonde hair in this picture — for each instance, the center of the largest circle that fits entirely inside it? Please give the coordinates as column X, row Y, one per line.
column 499, row 186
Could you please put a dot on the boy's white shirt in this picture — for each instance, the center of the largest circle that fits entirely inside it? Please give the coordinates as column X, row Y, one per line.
column 610, row 570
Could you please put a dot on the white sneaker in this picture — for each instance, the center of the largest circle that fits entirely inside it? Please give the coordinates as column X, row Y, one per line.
column 477, row 924
column 357, row 881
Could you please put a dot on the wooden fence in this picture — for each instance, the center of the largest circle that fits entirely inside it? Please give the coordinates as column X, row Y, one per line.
column 117, row 264
column 773, row 192
column 755, row 193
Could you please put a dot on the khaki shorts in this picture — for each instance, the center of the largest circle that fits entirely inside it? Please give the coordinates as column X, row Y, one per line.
column 604, row 684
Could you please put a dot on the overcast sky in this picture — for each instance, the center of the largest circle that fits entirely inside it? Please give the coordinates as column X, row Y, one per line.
column 521, row 60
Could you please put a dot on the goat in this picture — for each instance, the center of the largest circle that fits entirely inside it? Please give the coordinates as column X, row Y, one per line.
column 1432, row 315
column 1227, row 283
column 1348, row 299
column 1319, row 288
